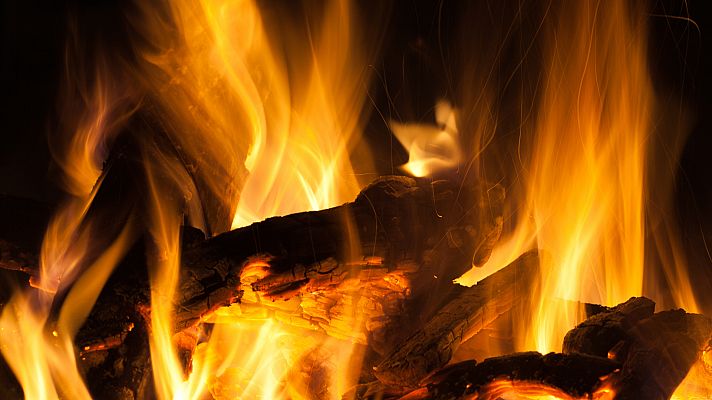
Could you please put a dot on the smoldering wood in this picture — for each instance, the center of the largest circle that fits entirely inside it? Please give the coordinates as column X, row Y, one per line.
column 628, row 348
column 432, row 346
column 577, row 375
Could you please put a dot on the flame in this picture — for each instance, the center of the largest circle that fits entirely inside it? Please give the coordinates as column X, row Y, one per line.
column 289, row 108
column 300, row 161
column 39, row 349
column 589, row 177
column 431, row 149
column 232, row 97
column 586, row 182
column 514, row 390
column 260, row 129
column 585, row 177
column 698, row 381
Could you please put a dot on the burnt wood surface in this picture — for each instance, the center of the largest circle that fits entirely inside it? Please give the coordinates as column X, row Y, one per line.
column 426, row 228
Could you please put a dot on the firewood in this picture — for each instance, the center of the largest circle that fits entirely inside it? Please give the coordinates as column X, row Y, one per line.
column 419, row 228
column 433, row 345
column 422, row 228
column 656, row 350
column 575, row 375
column 389, row 244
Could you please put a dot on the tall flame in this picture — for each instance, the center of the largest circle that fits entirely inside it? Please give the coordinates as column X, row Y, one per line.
column 38, row 348
column 263, row 122
column 588, row 173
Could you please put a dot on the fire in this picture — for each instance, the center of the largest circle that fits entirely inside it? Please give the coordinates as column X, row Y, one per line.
column 586, row 185
column 587, row 172
column 261, row 120
column 589, row 178
column 431, row 148
column 513, row 390
column 226, row 85
column 221, row 86
column 38, row 347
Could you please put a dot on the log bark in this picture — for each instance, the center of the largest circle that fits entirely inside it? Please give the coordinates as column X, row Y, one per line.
column 432, row 346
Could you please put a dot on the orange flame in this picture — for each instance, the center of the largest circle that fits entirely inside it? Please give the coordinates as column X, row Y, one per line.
column 222, row 84
column 586, row 176
column 431, row 149
column 514, row 390
column 40, row 351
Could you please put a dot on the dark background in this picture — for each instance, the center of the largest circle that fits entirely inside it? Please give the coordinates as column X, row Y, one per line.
column 409, row 78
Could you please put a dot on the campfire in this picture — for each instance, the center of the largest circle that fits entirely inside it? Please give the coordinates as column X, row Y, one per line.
column 253, row 209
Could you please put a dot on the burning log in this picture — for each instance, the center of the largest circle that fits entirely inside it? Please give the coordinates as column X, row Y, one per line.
column 608, row 326
column 397, row 223
column 574, row 375
column 432, row 346
column 656, row 350
column 419, row 228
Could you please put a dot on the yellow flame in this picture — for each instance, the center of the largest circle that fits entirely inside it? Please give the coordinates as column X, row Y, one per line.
column 697, row 384
column 588, row 171
column 431, row 149
column 223, row 84
column 301, row 159
column 285, row 107
column 587, row 176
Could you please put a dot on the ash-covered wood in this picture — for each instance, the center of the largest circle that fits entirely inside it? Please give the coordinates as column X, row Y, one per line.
column 433, row 345
column 576, row 375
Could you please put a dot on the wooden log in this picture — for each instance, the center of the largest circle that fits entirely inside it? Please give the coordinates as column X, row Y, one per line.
column 599, row 333
column 419, row 228
column 530, row 373
column 432, row 346
column 423, row 228
column 656, row 350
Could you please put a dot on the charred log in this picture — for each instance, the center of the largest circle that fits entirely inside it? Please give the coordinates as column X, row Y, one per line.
column 433, row 345
column 656, row 350
column 599, row 333
column 423, row 228
column 398, row 231
column 575, row 375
